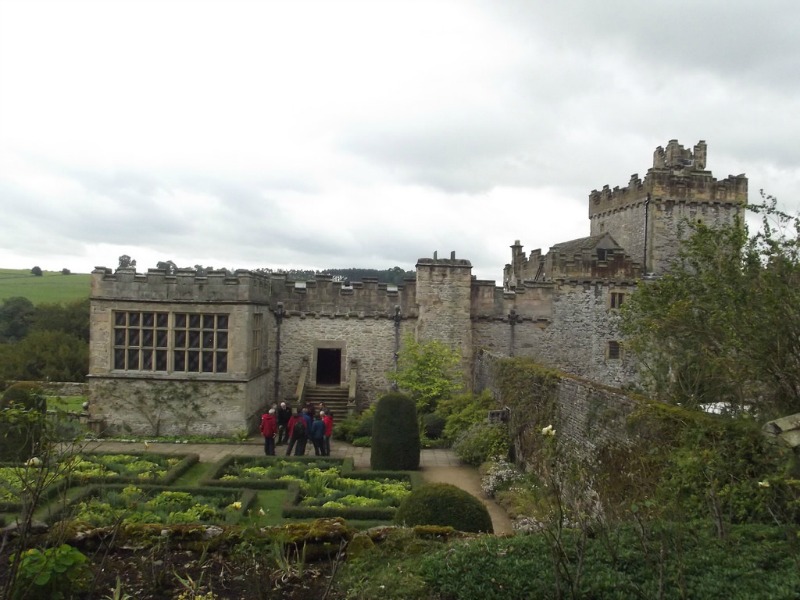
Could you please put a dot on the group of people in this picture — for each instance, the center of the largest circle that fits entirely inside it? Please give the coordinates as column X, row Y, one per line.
column 280, row 426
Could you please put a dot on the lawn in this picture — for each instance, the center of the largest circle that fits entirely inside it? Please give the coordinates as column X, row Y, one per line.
column 52, row 287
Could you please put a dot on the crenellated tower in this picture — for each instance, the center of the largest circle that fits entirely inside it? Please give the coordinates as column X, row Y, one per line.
column 648, row 217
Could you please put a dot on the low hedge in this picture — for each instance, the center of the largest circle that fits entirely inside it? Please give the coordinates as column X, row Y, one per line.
column 291, row 510
column 212, row 477
column 172, row 474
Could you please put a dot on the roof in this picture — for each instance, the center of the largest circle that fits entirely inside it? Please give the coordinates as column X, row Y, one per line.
column 601, row 240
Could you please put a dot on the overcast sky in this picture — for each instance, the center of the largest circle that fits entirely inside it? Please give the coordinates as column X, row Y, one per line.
column 330, row 133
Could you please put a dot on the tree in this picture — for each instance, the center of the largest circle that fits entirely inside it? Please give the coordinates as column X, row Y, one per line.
column 428, row 372
column 45, row 355
column 16, row 315
column 724, row 324
column 37, row 271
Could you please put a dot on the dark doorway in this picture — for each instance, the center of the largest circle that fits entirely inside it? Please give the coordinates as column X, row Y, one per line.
column 329, row 366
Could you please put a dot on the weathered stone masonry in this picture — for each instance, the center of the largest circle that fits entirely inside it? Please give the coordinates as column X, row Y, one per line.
column 218, row 333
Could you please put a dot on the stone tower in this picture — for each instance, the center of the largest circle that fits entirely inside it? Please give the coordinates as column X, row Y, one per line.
column 444, row 292
column 648, row 218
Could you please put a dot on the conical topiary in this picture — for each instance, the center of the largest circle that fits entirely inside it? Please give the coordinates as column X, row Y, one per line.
column 395, row 434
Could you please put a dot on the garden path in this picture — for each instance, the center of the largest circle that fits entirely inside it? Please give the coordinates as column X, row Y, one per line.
column 437, row 464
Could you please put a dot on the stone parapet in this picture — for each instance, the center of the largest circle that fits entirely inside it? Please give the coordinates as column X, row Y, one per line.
column 186, row 285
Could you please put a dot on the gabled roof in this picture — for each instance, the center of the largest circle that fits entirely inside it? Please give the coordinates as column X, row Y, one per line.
column 603, row 241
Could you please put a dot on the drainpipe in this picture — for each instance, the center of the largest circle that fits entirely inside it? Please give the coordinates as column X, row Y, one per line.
column 279, row 313
column 396, row 318
column 646, row 223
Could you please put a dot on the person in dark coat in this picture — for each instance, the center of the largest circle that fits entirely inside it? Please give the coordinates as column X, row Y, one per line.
column 269, row 428
column 318, row 435
column 283, row 415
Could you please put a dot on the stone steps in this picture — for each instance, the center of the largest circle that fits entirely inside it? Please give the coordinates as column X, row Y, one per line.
column 334, row 397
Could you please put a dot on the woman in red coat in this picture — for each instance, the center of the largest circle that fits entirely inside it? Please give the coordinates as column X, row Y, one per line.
column 269, row 427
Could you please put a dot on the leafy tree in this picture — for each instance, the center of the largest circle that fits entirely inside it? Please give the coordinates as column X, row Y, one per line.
column 724, row 324
column 66, row 271
column 428, row 372
column 71, row 317
column 16, row 315
column 37, row 271
column 45, row 355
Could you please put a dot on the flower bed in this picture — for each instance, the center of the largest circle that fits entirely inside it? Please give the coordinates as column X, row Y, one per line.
column 319, row 487
column 102, row 506
column 133, row 468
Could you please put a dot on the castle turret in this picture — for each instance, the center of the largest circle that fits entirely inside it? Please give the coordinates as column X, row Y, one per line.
column 444, row 288
column 648, row 216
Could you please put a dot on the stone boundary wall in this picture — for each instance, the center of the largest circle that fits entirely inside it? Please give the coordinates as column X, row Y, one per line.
column 587, row 415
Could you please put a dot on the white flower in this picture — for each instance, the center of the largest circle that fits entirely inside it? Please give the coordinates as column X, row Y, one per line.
column 763, row 484
column 261, row 512
column 33, row 462
column 548, row 431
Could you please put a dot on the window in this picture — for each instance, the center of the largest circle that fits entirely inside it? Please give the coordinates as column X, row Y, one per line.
column 614, row 350
column 617, row 298
column 258, row 340
column 140, row 341
column 200, row 343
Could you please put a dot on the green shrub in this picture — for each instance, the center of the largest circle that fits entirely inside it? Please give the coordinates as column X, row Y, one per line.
column 362, row 442
column 483, row 441
column 446, row 505
column 433, row 426
column 395, row 434
column 462, row 411
column 52, row 573
column 356, row 426
column 22, row 421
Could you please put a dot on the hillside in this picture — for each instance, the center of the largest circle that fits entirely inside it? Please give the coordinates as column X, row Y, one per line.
column 51, row 287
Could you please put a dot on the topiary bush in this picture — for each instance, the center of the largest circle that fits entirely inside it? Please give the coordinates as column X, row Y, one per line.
column 446, row 505
column 395, row 434
column 22, row 412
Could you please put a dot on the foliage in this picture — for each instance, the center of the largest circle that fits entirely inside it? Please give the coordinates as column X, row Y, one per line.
column 395, row 434
column 22, row 412
column 126, row 262
column 45, row 356
column 669, row 561
column 36, row 271
column 483, row 441
column 433, row 426
column 52, row 573
column 716, row 467
column 135, row 505
column 498, row 474
column 444, row 504
column 355, row 426
column 428, row 372
column 724, row 325
column 68, row 317
column 461, row 411
column 16, row 315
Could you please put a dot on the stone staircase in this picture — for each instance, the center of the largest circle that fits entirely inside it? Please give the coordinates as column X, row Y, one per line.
column 334, row 397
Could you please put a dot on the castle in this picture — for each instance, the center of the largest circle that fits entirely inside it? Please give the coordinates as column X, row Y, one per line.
column 205, row 353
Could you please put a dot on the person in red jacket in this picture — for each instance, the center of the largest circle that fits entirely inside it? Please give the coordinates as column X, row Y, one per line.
column 269, row 427
column 326, row 443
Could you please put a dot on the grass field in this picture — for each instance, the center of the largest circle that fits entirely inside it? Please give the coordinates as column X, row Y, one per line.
column 51, row 287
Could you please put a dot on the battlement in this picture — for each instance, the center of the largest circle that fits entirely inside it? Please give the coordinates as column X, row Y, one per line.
column 324, row 296
column 185, row 285
column 444, row 262
column 677, row 175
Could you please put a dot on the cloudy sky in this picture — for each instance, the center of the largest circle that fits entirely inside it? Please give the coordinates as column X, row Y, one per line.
column 336, row 133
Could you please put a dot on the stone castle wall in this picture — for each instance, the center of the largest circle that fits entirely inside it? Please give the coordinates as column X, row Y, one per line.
column 368, row 340
column 573, row 336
